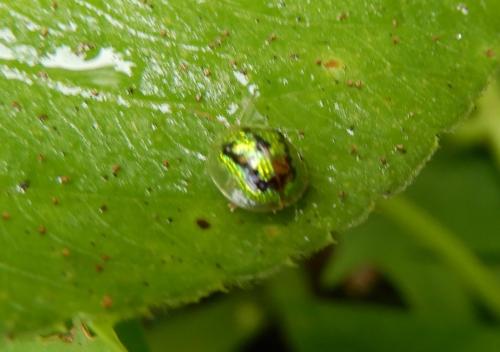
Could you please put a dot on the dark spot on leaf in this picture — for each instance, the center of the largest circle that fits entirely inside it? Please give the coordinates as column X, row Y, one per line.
column 342, row 16
column 203, row 224
column 16, row 105
column 331, row 64
column 116, row 168
column 273, row 37
column 65, row 252
column 55, row 201
column 343, row 195
column 401, row 148
column 43, row 117
column 6, row 215
column 105, row 257
column 395, row 40
column 490, row 53
column 43, row 74
column 354, row 149
column 107, row 302
column 103, row 208
column 42, row 230
column 64, row 179
column 99, row 268
column 24, row 185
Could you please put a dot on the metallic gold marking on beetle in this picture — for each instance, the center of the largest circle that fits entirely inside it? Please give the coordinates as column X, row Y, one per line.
column 258, row 169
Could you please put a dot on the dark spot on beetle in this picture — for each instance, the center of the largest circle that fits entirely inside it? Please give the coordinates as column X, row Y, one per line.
column 490, row 53
column 6, row 215
column 99, row 268
column 401, row 148
column 107, row 302
column 24, row 185
column 42, row 230
column 103, row 208
column 203, row 224
column 116, row 168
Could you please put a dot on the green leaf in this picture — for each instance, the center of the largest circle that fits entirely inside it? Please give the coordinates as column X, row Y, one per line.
column 318, row 325
column 221, row 325
column 76, row 340
column 103, row 185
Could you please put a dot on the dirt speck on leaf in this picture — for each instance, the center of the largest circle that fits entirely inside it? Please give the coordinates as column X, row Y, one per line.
column 107, row 302
column 203, row 224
